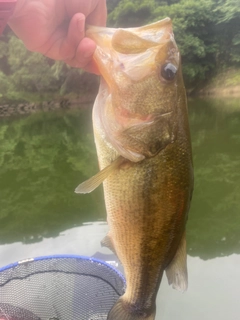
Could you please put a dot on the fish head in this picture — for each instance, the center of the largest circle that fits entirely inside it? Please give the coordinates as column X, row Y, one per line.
column 136, row 61
column 141, row 72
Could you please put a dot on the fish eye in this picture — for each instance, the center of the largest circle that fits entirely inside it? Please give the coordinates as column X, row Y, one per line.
column 168, row 71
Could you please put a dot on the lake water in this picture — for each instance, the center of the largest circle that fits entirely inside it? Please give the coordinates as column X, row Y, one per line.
column 44, row 156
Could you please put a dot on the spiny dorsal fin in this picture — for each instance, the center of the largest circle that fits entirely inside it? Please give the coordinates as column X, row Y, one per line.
column 108, row 243
column 92, row 183
column 177, row 270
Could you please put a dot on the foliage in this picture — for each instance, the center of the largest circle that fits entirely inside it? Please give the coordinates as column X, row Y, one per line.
column 229, row 10
column 207, row 33
column 193, row 22
column 3, row 49
column 229, row 31
column 31, row 72
column 4, row 80
column 131, row 13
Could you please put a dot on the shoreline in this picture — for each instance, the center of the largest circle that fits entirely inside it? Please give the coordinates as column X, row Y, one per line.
column 220, row 92
column 12, row 108
column 225, row 84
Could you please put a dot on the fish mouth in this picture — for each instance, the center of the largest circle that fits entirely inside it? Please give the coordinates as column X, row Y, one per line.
column 131, row 51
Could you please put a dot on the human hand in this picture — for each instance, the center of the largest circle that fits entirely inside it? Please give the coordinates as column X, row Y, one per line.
column 56, row 28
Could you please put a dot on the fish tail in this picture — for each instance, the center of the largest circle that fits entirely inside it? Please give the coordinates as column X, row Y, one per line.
column 124, row 311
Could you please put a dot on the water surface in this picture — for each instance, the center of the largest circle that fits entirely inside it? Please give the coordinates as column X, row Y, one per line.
column 44, row 156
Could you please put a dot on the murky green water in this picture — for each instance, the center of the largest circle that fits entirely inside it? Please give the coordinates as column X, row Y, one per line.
column 43, row 157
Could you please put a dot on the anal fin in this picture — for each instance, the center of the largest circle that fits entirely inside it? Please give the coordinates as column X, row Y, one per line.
column 108, row 243
column 176, row 271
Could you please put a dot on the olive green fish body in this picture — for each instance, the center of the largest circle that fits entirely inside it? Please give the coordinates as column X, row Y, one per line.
column 143, row 144
column 147, row 204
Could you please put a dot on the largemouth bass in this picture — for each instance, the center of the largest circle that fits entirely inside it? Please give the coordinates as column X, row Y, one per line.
column 143, row 144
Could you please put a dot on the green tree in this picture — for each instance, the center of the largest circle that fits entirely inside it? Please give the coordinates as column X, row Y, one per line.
column 228, row 30
column 193, row 25
column 30, row 71
column 24, row 72
column 131, row 13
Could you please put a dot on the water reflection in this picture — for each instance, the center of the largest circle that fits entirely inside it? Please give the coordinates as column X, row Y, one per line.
column 43, row 157
column 213, row 228
column 83, row 240
column 213, row 292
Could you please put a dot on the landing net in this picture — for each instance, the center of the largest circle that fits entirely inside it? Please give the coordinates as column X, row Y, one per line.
column 59, row 288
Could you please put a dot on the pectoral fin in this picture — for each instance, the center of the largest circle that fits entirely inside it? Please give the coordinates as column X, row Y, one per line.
column 177, row 270
column 92, row 183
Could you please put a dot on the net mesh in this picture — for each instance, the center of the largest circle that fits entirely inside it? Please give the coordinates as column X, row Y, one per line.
column 59, row 288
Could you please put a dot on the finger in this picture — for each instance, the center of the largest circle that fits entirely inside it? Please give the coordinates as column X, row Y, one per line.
column 95, row 9
column 84, row 57
column 75, row 34
column 99, row 15
column 92, row 68
column 89, row 67
column 84, row 54
column 76, row 30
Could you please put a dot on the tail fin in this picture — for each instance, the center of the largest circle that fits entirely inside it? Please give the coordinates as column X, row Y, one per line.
column 122, row 311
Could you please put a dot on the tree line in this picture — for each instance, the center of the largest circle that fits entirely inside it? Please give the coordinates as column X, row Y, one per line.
column 207, row 33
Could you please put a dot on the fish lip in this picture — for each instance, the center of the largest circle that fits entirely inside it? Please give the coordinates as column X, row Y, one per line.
column 98, row 34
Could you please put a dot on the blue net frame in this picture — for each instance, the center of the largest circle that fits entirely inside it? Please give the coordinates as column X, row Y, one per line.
column 59, row 287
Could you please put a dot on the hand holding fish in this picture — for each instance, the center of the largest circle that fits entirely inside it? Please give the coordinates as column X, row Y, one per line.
column 56, row 28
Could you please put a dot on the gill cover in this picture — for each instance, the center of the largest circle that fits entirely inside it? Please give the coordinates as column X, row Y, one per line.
column 135, row 65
